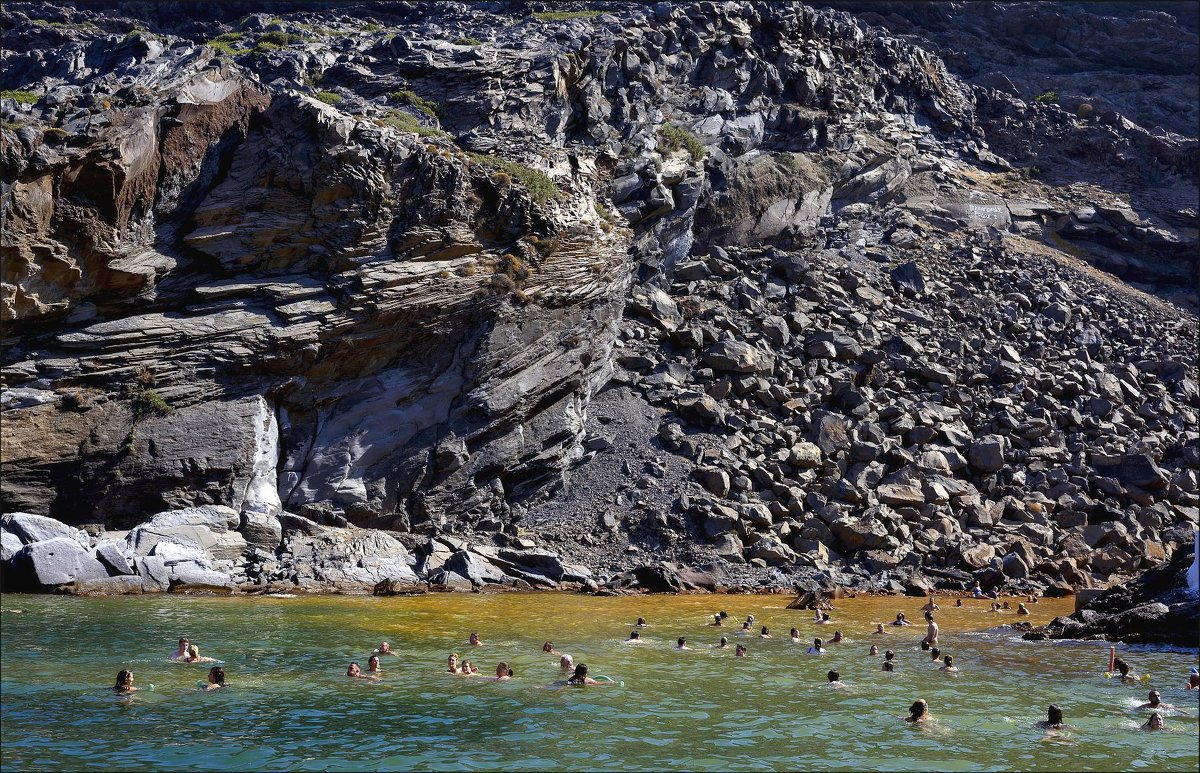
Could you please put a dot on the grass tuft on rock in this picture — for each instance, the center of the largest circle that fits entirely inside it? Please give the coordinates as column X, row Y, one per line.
column 674, row 138
column 539, row 184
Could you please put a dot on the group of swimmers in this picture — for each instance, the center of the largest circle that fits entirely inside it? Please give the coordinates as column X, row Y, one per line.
column 187, row 653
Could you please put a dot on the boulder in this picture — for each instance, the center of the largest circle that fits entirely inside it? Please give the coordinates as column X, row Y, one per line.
column 987, row 453
column 714, row 480
column 736, row 357
column 115, row 556
column 474, row 567
column 30, row 528
column 51, row 563
column 210, row 528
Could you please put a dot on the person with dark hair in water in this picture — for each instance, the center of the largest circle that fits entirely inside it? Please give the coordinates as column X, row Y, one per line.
column 766, row 633
column 1122, row 668
column 1054, row 719
column 919, row 712
column 580, row 677
column 741, row 651
column 124, row 683
column 835, row 679
column 503, row 671
column 216, row 678
column 635, row 637
column 1155, row 702
column 682, row 644
column 816, row 649
column 723, row 645
column 1155, row 722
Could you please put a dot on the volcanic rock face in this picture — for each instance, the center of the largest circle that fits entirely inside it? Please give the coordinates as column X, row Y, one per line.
column 748, row 285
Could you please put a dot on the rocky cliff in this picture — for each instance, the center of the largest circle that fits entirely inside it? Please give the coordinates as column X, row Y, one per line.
column 475, row 294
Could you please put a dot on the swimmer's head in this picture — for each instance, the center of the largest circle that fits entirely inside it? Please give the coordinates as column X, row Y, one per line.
column 766, row 631
column 565, row 661
column 724, row 641
column 746, row 626
column 919, row 708
column 794, row 633
column 817, row 643
column 635, row 635
column 724, row 614
column 740, row 651
column 949, row 661
column 384, row 647
column 503, row 669
column 925, row 646
column 373, row 663
column 889, row 655
column 216, row 675
column 641, row 621
column 581, row 672
column 833, row 676
column 353, row 669
column 682, row 641
column 547, row 647
column 934, row 653
column 1121, row 666
column 1054, row 714
column 124, row 679
column 1155, row 722
column 1155, row 697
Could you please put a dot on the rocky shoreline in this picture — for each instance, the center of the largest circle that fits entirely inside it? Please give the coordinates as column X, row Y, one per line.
column 642, row 298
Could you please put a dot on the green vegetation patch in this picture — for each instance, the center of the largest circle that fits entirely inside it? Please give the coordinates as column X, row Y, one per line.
column 539, row 184
column 408, row 123
column 410, row 97
column 1048, row 98
column 564, row 15
column 468, row 42
column 20, row 97
column 278, row 39
column 328, row 97
column 675, row 138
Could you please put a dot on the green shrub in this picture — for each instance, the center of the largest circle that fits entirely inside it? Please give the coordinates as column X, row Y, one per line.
column 1048, row 98
column 11, row 126
column 278, row 39
column 371, row 27
column 407, row 123
column 410, row 97
column 564, row 15
column 539, row 184
column 148, row 402
column 328, row 97
column 468, row 42
column 20, row 97
column 226, row 47
column 674, row 138
column 229, row 37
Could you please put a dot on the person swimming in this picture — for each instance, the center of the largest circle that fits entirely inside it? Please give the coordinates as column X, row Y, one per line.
column 874, row 650
column 741, row 651
column 503, row 671
column 816, row 648
column 194, row 656
column 838, row 638
column 723, row 644
column 825, row 619
column 124, row 684
column 889, row 666
column 930, row 606
column 566, row 662
column 745, row 630
column 580, row 677
column 835, row 679
column 384, row 649
column 901, row 620
column 1155, row 702
column 635, row 637
column 889, row 656
column 958, row 602
column 925, row 646
column 716, row 621
column 1023, row 610
column 682, row 644
column 182, row 652
column 1005, row 605
column 354, row 670
column 879, row 629
column 1054, row 719
column 1122, row 668
column 1193, row 682
column 949, row 666
column 995, row 607
column 468, row 669
column 373, row 665
column 216, row 678
column 641, row 622
column 765, row 633
column 935, row 654
column 919, row 712
column 548, row 647
column 474, row 640
column 452, row 664
column 794, row 634
column 1155, row 722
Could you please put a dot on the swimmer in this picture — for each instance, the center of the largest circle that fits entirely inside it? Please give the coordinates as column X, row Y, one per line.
column 1193, row 682
column 384, row 649
column 765, row 633
column 724, row 614
column 816, row 649
column 817, row 615
column 216, row 678
column 682, row 644
column 824, row 619
column 474, row 640
column 503, row 671
column 468, row 669
column 452, row 664
column 373, row 665
column 931, row 633
column 1005, row 606
column 549, row 648
column 935, row 654
column 1031, row 599
column 1155, row 722
column 794, row 634
column 1022, row 610
column 750, row 619
column 901, row 620
column 635, row 637
column 835, row 680
column 889, row 666
column 879, row 629
column 355, row 671
column 124, row 684
column 740, row 652
column 723, row 644
column 194, row 656
column 919, row 712
column 958, row 602
column 1155, row 702
column 930, row 606
column 566, row 662
column 995, row 607
column 716, row 621
column 874, row 650
column 745, row 629
column 580, row 677
column 1054, row 719
column 838, row 638
column 949, row 666
column 182, row 652
column 889, row 656
column 1123, row 669
column 641, row 622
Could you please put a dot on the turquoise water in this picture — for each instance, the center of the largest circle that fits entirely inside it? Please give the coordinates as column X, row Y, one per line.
column 289, row 705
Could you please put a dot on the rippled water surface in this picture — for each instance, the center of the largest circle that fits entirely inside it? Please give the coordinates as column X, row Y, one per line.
column 289, row 705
